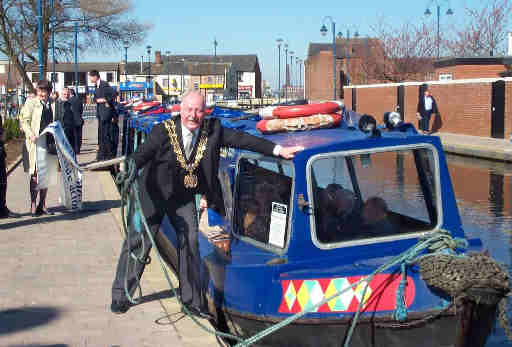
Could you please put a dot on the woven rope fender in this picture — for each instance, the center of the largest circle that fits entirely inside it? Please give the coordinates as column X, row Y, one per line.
column 476, row 277
column 299, row 124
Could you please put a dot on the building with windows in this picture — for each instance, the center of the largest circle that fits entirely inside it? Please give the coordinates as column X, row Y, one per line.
column 472, row 67
column 65, row 75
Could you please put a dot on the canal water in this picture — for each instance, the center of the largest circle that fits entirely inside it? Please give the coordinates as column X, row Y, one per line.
column 484, row 195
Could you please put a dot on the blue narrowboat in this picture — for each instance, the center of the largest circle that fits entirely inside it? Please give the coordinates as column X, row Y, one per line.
column 299, row 231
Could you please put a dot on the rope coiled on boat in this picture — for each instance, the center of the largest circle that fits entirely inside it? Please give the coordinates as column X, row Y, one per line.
column 438, row 244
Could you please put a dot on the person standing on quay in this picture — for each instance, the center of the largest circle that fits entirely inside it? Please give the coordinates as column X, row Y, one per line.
column 180, row 159
column 36, row 114
column 64, row 115
column 107, row 117
column 426, row 108
column 78, row 109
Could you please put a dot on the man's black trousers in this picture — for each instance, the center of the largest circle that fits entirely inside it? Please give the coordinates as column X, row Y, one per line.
column 183, row 217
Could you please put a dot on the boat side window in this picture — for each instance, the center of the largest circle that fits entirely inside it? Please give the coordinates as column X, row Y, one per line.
column 262, row 203
column 374, row 194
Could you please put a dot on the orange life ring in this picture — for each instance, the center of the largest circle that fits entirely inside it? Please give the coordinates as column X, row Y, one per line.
column 316, row 121
column 284, row 112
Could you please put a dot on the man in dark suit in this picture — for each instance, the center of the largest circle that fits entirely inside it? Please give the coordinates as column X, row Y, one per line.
column 78, row 109
column 107, row 117
column 426, row 108
column 180, row 158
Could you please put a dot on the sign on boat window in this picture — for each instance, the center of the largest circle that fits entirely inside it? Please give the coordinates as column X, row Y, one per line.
column 263, row 200
column 372, row 195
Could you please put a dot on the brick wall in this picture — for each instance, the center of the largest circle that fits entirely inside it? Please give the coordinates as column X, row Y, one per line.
column 319, row 77
column 464, row 106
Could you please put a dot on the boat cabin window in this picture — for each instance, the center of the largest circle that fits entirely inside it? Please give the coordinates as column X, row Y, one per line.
column 373, row 194
column 263, row 200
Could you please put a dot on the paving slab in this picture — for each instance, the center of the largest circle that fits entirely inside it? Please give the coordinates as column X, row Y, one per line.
column 57, row 273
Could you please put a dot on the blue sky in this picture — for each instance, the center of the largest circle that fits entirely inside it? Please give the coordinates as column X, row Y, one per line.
column 252, row 27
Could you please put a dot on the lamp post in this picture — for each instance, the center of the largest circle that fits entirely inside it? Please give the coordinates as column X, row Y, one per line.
column 215, row 43
column 148, row 50
column 52, row 29
column 297, row 74
column 291, row 73
column 323, row 31
column 76, row 57
column 40, row 36
column 168, row 53
column 286, row 71
column 182, row 75
column 279, row 41
column 126, row 46
column 428, row 13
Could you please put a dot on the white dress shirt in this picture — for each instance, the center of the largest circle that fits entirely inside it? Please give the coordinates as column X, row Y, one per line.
column 428, row 103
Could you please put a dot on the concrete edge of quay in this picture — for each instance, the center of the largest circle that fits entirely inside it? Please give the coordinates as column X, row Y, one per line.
column 478, row 147
column 154, row 281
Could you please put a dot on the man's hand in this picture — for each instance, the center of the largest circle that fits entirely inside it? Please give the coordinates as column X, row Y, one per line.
column 289, row 152
column 418, row 116
column 203, row 203
column 34, row 138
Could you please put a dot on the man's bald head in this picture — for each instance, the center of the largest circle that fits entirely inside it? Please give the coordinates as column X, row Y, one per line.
column 192, row 110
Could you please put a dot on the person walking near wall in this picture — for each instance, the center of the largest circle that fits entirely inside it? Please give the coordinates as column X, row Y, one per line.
column 64, row 115
column 426, row 108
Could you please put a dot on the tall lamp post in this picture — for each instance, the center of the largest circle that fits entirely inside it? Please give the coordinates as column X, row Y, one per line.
column 52, row 29
column 40, row 36
column 126, row 46
column 291, row 73
column 297, row 75
column 428, row 13
column 323, row 31
column 168, row 53
column 286, row 71
column 279, row 42
column 76, row 57
column 148, row 50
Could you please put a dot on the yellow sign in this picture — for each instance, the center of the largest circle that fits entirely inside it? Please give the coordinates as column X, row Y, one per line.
column 211, row 85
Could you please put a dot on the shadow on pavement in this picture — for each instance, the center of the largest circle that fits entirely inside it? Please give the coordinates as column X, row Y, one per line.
column 24, row 318
column 89, row 208
column 164, row 294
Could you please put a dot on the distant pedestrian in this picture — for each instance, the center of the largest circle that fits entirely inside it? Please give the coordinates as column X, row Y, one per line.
column 108, row 130
column 37, row 114
column 64, row 114
column 78, row 109
column 4, row 211
column 426, row 108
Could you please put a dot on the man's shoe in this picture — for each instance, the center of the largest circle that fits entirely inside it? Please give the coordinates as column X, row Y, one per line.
column 6, row 213
column 120, row 306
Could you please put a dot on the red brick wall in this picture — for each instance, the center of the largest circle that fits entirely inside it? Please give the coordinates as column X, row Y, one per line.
column 348, row 97
column 465, row 108
column 376, row 101
column 472, row 71
column 508, row 109
column 319, row 77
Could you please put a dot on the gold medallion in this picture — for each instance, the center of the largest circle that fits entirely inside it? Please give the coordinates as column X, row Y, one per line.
column 190, row 180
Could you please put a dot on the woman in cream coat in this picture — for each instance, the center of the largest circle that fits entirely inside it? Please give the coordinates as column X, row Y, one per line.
column 36, row 114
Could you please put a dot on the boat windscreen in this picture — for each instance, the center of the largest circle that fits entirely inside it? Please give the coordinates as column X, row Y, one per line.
column 395, row 193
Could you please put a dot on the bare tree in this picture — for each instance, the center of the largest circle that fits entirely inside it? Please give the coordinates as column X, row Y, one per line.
column 485, row 30
column 399, row 53
column 103, row 24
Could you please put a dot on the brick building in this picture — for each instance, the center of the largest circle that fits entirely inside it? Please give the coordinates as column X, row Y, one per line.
column 352, row 58
column 472, row 67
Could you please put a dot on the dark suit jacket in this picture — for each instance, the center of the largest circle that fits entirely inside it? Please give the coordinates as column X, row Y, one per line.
column 105, row 111
column 78, row 109
column 64, row 114
column 160, row 160
column 421, row 105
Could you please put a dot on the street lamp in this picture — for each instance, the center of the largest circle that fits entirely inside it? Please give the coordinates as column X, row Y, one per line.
column 126, row 45
column 52, row 30
column 286, row 72
column 323, row 31
column 148, row 50
column 279, row 41
column 291, row 72
column 449, row 12
column 297, row 74
column 168, row 53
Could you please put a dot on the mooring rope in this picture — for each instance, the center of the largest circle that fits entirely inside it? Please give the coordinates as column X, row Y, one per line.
column 439, row 243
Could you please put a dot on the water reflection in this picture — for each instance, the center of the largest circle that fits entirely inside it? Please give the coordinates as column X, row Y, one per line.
column 484, row 192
